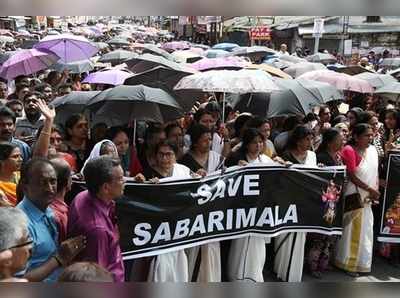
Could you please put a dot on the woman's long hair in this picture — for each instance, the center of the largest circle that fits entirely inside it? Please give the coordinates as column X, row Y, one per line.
column 248, row 136
column 358, row 130
column 299, row 133
column 328, row 137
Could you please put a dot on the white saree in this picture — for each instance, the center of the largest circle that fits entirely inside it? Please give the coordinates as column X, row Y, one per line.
column 354, row 248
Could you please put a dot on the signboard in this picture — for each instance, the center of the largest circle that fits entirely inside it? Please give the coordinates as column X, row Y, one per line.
column 348, row 44
column 260, row 33
column 318, row 27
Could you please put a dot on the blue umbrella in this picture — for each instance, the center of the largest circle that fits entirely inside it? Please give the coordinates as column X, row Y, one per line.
column 226, row 46
column 216, row 53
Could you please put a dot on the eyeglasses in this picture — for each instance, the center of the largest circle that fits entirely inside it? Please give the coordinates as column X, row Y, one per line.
column 29, row 242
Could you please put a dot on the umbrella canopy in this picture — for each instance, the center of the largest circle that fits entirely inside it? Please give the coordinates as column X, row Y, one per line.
column 278, row 63
column 122, row 104
column 390, row 91
column 28, row 43
column 101, row 45
column 176, row 45
column 391, row 62
column 148, row 61
column 152, row 49
column 72, row 103
column 271, row 70
column 200, row 46
column 219, row 63
column 4, row 56
column 226, row 46
column 253, row 52
column 322, row 58
column 117, row 57
column 186, row 56
column 352, row 69
column 68, row 47
column 296, row 97
column 291, row 59
column 375, row 79
column 5, row 39
column 240, row 81
column 298, row 69
column 75, row 67
column 339, row 80
column 214, row 53
column 166, row 78
column 112, row 77
column 26, row 62
column 121, row 41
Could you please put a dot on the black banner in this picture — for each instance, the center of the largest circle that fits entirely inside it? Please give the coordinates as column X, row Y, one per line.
column 251, row 200
column 390, row 219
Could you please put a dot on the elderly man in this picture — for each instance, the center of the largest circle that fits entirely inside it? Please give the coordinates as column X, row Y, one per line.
column 15, row 243
column 283, row 50
column 7, row 130
column 92, row 213
column 39, row 182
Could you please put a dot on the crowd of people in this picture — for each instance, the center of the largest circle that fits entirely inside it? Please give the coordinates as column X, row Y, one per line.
column 50, row 230
column 50, row 233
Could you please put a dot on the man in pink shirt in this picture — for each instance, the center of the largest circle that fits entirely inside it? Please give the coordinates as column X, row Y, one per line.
column 92, row 213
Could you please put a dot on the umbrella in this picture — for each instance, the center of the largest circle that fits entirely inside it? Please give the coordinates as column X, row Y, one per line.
column 176, row 45
column 291, row 59
column 117, row 57
column 121, row 41
column 200, row 46
column 152, row 49
column 72, row 103
column 147, row 61
column 277, row 63
column 28, row 43
column 375, row 79
column 53, row 32
column 270, row 69
column 5, row 39
column 298, row 69
column 166, row 78
column 231, row 81
column 26, row 62
column 101, row 45
column 253, row 52
column 213, row 53
column 226, row 46
column 391, row 62
column 296, row 97
column 322, row 58
column 352, row 69
column 186, row 56
column 68, row 47
column 75, row 67
column 123, row 104
column 340, row 80
column 219, row 63
column 4, row 56
column 111, row 77
column 390, row 91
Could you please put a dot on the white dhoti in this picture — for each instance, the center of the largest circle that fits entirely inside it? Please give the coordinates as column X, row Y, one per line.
column 169, row 267
column 247, row 258
column 289, row 256
column 210, row 262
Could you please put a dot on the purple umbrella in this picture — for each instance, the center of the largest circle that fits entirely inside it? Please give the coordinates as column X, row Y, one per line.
column 113, row 77
column 70, row 48
column 176, row 45
column 26, row 62
column 219, row 63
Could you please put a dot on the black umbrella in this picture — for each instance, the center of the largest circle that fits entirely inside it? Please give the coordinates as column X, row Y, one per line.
column 121, row 41
column 148, row 61
column 72, row 103
column 166, row 78
column 117, row 57
column 152, row 49
column 123, row 104
column 74, row 67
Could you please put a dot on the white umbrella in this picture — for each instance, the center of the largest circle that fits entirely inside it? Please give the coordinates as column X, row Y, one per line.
column 232, row 81
column 377, row 80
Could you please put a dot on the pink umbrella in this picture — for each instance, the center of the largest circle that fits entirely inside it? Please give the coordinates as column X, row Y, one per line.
column 176, row 45
column 340, row 80
column 26, row 62
column 219, row 63
column 113, row 77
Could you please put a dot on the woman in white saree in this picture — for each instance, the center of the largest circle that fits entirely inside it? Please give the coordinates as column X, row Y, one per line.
column 354, row 248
